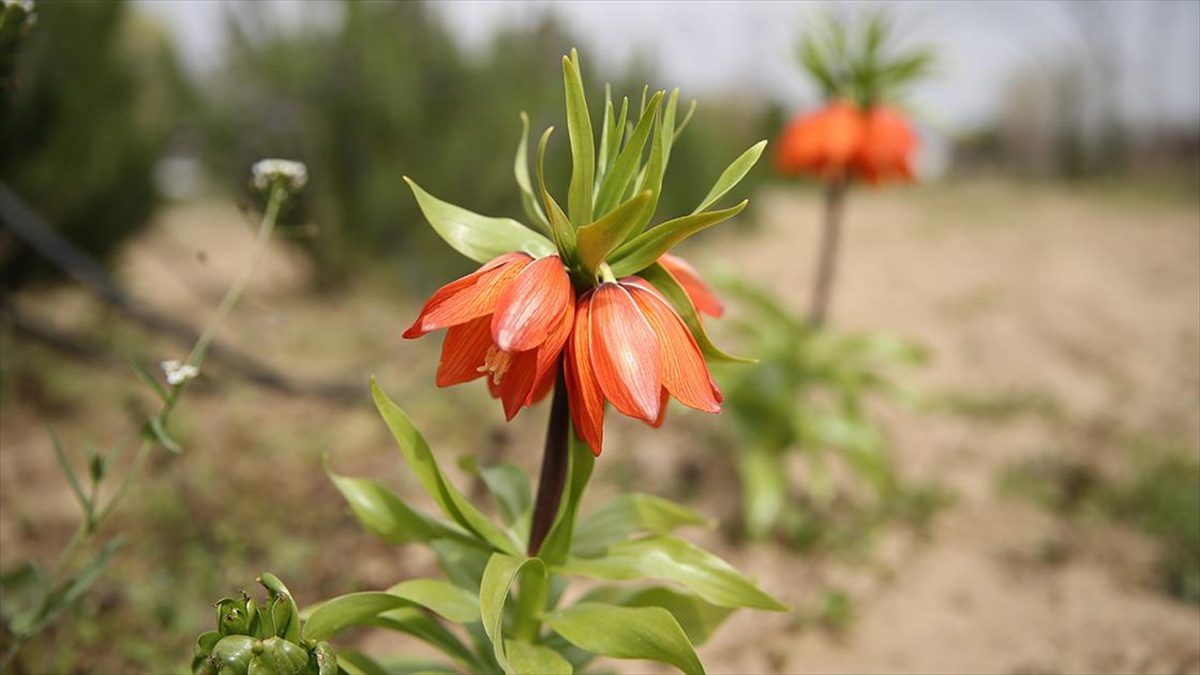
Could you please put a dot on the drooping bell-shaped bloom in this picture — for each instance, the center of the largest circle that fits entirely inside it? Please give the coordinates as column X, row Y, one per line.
column 701, row 295
column 887, row 147
column 508, row 320
column 630, row 348
column 824, row 142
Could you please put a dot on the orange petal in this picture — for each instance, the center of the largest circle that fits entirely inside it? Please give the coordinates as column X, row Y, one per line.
column 625, row 353
column 583, row 391
column 541, row 388
column 550, row 351
column 684, row 373
column 517, row 382
column 463, row 351
column 701, row 295
column 662, row 413
column 531, row 305
column 468, row 298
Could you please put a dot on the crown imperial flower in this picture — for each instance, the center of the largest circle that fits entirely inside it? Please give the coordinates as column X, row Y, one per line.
column 548, row 294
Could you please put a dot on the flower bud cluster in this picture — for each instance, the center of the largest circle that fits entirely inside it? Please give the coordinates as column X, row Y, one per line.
column 267, row 172
column 253, row 638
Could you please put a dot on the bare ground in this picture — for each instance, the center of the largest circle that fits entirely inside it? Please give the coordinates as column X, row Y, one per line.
column 1080, row 302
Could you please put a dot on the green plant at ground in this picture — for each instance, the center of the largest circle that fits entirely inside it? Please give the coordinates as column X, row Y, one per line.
column 574, row 305
column 34, row 598
column 813, row 396
column 1160, row 497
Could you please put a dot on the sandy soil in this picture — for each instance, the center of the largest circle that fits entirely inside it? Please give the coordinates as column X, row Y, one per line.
column 1085, row 300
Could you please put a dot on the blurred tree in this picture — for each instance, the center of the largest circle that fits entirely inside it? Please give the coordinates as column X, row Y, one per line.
column 387, row 92
column 94, row 97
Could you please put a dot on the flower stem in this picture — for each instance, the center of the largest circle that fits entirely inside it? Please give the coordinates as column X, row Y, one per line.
column 554, row 466
column 835, row 192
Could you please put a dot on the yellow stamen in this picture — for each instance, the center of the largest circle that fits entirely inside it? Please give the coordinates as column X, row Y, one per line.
column 497, row 363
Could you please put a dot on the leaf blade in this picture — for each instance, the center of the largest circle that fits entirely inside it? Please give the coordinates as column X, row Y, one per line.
column 644, row 250
column 732, row 175
column 627, row 633
column 480, row 238
column 583, row 151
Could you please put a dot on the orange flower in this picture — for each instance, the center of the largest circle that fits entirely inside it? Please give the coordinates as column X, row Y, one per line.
column 824, row 142
column 887, row 148
column 508, row 320
column 630, row 348
column 876, row 145
column 701, row 295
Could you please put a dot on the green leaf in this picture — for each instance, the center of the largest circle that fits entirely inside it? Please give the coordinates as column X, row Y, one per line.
column 579, row 469
column 480, row 238
column 65, row 595
column 493, row 594
column 625, row 167
column 764, row 490
column 630, row 514
column 156, row 432
column 606, row 130
column 508, row 485
column 560, row 226
column 420, row 460
column 598, row 239
column 387, row 516
column 149, row 380
column 60, row 453
column 354, row 662
column 461, row 563
column 660, row 152
column 645, row 249
column 672, row 559
column 699, row 619
column 583, row 151
column 732, row 175
column 445, row 599
column 345, row 611
column 416, row 623
column 627, row 633
column 524, row 657
column 667, row 285
column 687, row 118
column 521, row 171
column 24, row 589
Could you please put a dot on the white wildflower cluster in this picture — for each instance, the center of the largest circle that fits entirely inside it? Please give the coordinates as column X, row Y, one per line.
column 267, row 171
column 26, row 5
column 178, row 373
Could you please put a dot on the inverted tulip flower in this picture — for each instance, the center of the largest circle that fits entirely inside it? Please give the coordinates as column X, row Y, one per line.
column 631, row 348
column 508, row 321
column 855, row 135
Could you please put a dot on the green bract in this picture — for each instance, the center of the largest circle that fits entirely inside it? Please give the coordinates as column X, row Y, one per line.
column 252, row 638
column 612, row 197
column 508, row 602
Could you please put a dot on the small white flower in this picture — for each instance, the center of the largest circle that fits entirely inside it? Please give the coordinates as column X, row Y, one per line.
column 26, row 5
column 266, row 171
column 178, row 373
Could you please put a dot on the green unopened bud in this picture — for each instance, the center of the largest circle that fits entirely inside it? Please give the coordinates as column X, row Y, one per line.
column 276, row 656
column 284, row 615
column 326, row 659
column 237, row 617
column 232, row 655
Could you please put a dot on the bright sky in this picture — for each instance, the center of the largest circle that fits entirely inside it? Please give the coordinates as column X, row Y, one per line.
column 746, row 46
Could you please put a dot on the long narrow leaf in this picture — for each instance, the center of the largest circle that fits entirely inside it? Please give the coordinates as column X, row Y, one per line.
column 625, row 167
column 606, row 132
column 60, row 454
column 656, row 167
column 560, row 226
column 480, row 238
column 627, row 633
column 732, row 175
column 629, row 514
column 420, row 460
column 521, row 171
column 583, row 151
column 642, row 251
column 493, row 595
column 598, row 239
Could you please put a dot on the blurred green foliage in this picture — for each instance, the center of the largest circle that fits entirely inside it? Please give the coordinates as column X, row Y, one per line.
column 93, row 98
column 388, row 93
column 814, row 395
column 1160, row 497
